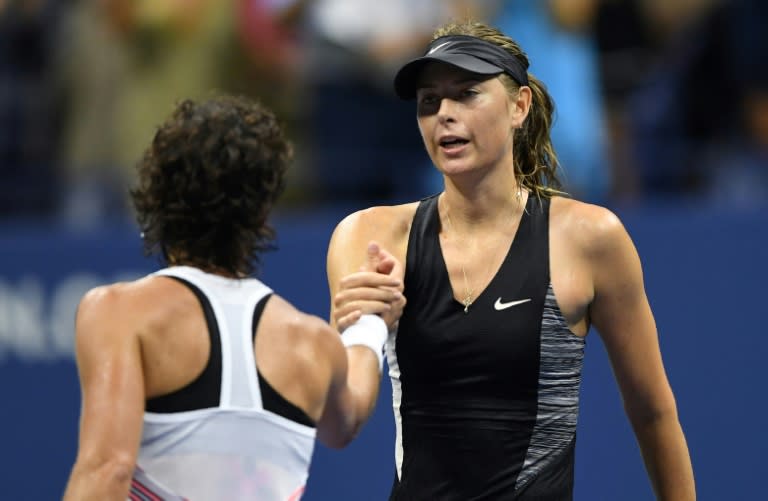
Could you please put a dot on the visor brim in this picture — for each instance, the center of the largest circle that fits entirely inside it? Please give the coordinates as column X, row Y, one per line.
column 407, row 78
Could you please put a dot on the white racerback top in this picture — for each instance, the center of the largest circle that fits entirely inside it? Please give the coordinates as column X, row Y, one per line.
column 237, row 450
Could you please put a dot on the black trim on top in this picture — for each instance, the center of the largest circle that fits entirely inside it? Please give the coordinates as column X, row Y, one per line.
column 271, row 400
column 205, row 390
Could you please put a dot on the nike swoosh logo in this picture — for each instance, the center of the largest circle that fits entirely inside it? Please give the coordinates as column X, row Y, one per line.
column 438, row 47
column 498, row 305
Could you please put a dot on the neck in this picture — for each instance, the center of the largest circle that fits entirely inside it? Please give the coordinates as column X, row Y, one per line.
column 214, row 270
column 474, row 211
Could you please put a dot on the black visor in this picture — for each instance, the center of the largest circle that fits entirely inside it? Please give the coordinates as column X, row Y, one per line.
column 466, row 52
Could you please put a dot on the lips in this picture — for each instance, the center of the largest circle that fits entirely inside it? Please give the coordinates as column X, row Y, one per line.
column 452, row 145
column 452, row 141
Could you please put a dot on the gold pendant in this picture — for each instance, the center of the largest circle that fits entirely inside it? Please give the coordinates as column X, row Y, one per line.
column 466, row 308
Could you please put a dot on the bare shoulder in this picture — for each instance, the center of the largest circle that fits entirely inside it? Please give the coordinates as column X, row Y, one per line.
column 106, row 300
column 116, row 306
column 297, row 328
column 148, row 299
column 298, row 353
column 591, row 228
column 388, row 224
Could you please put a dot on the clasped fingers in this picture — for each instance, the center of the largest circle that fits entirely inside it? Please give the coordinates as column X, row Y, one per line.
column 350, row 304
column 370, row 279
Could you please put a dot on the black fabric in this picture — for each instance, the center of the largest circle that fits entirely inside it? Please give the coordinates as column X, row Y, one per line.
column 467, row 52
column 205, row 390
column 469, row 381
column 271, row 400
column 554, row 483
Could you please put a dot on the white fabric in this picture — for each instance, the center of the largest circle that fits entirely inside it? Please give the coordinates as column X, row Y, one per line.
column 369, row 330
column 351, row 22
column 237, row 450
column 397, row 397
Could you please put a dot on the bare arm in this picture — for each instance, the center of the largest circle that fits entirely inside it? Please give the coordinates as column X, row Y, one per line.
column 352, row 394
column 373, row 287
column 621, row 314
column 356, row 378
column 111, row 379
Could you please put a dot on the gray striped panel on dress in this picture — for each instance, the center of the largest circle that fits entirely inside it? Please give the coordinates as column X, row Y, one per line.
column 562, row 354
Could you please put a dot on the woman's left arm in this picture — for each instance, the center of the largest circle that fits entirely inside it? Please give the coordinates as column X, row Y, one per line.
column 621, row 314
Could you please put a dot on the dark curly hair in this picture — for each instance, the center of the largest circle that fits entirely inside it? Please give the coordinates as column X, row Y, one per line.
column 207, row 183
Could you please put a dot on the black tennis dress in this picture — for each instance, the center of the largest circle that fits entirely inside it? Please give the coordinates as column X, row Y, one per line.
column 485, row 402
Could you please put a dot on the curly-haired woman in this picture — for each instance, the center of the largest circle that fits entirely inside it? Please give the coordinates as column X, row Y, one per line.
column 197, row 381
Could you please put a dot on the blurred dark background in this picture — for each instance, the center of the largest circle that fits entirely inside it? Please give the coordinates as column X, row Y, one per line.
column 662, row 117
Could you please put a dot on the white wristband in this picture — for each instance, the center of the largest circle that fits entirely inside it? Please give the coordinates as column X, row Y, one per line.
column 371, row 331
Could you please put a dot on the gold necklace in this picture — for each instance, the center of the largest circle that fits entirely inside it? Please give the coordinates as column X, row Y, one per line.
column 468, row 296
column 468, row 299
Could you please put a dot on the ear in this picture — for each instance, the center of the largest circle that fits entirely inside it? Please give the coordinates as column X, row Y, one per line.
column 520, row 105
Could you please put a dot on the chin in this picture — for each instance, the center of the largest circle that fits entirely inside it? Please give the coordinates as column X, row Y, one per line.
column 456, row 168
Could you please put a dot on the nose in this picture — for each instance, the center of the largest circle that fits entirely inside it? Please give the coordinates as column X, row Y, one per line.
column 446, row 110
